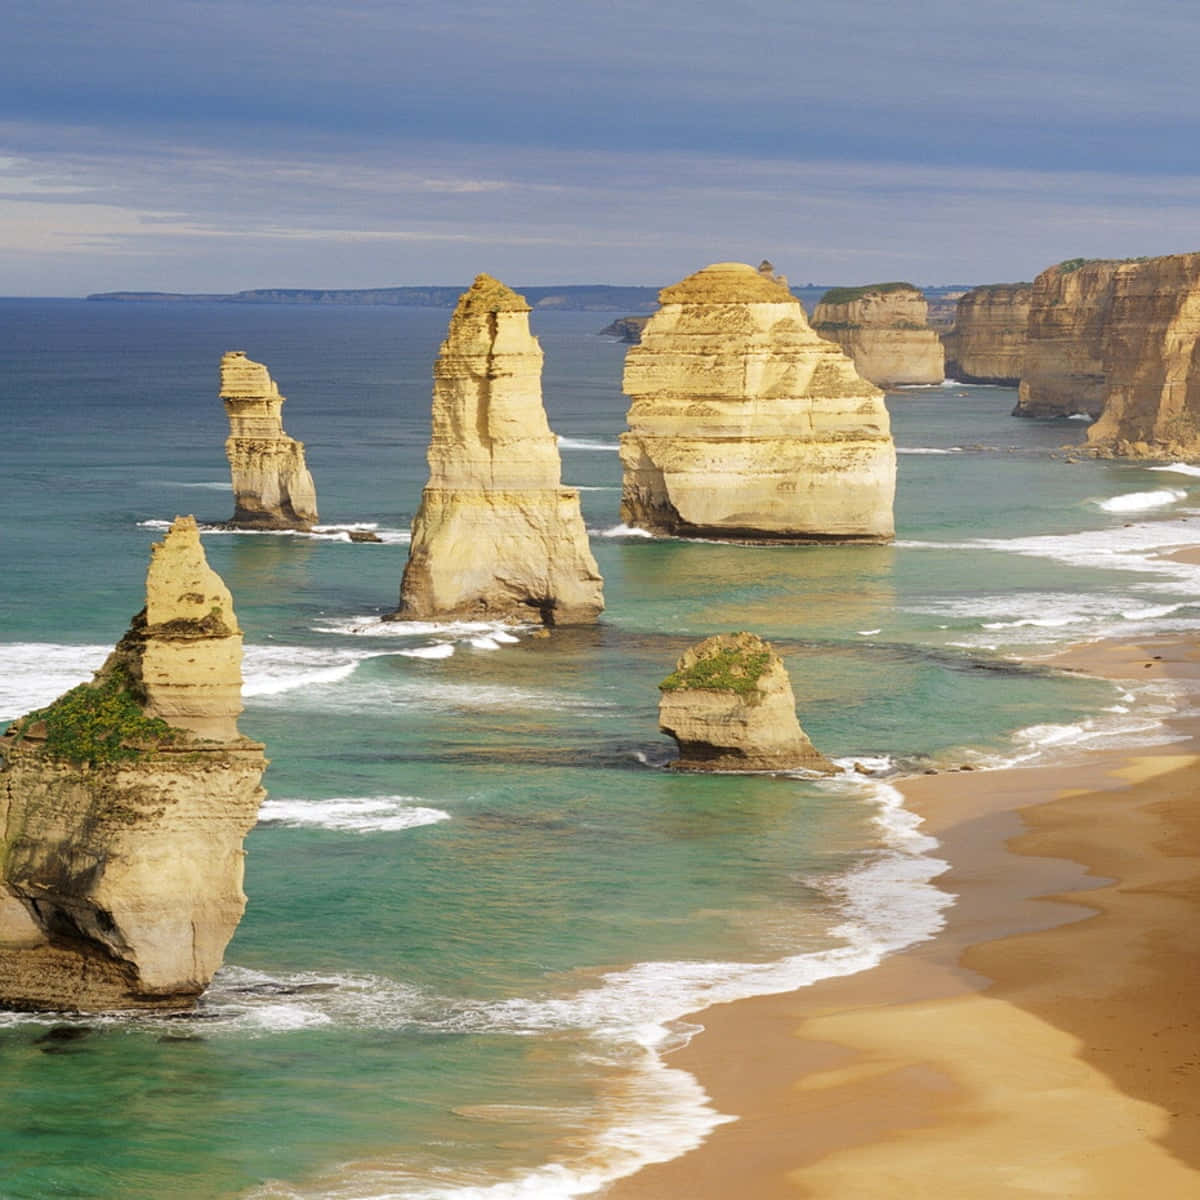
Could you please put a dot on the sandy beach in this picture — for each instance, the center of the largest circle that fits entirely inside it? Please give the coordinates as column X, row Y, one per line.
column 1045, row 1043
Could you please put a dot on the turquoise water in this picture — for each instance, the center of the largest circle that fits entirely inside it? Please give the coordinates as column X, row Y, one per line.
column 479, row 907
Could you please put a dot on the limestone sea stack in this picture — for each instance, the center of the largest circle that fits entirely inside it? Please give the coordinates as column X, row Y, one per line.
column 124, row 805
column 991, row 330
column 1064, row 355
column 1151, row 361
column 729, row 706
column 744, row 425
column 497, row 536
column 272, row 488
column 884, row 328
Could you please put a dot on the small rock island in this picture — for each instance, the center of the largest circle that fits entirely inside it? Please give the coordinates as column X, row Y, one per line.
column 497, row 536
column 746, row 426
column 729, row 706
column 124, row 805
column 272, row 488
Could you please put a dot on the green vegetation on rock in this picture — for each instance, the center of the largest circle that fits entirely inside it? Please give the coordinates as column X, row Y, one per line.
column 727, row 669
column 98, row 722
column 1070, row 265
column 847, row 295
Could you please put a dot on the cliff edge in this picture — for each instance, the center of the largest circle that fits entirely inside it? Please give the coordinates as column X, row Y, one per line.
column 991, row 331
column 124, row 805
column 497, row 536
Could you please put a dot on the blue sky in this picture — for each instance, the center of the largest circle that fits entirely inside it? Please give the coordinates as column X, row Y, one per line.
column 204, row 145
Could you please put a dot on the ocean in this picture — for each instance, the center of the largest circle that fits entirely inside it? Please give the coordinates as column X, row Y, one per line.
column 480, row 908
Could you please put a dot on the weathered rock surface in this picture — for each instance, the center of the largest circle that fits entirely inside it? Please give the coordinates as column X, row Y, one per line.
column 1064, row 355
column 497, row 535
column 272, row 487
column 746, row 425
column 991, row 330
column 729, row 706
column 766, row 269
column 123, row 807
column 1151, row 361
column 884, row 328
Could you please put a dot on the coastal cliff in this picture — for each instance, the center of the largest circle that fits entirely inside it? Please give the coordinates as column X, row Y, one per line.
column 124, row 805
column 991, row 330
column 1151, row 361
column 884, row 328
column 729, row 706
column 272, row 488
column 497, row 536
column 1064, row 355
column 744, row 424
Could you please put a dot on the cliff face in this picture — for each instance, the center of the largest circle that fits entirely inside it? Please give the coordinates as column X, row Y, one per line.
column 745, row 424
column 272, row 488
column 884, row 328
column 1151, row 360
column 497, row 535
column 123, row 807
column 991, row 330
column 1064, row 356
column 729, row 706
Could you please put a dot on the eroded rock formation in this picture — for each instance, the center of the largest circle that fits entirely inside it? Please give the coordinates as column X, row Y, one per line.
column 497, row 535
column 746, row 425
column 1151, row 360
column 1064, row 355
column 729, row 706
column 884, row 328
column 272, row 488
column 123, row 807
column 991, row 330
column 766, row 269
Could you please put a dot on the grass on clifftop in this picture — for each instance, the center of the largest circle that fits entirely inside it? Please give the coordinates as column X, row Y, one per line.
column 97, row 723
column 1070, row 265
column 729, row 669
column 847, row 295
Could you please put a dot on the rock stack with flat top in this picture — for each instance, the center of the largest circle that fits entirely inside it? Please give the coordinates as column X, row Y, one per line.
column 124, row 805
column 497, row 536
column 729, row 706
column 272, row 488
column 745, row 425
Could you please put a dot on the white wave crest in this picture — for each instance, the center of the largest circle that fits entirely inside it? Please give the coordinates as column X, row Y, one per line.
column 566, row 443
column 272, row 670
column 358, row 814
column 926, row 450
column 621, row 531
column 1179, row 468
column 32, row 674
column 1142, row 501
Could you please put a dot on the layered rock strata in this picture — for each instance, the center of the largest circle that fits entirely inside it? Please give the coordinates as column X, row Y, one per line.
column 124, row 805
column 729, row 706
column 884, row 328
column 1069, row 312
column 272, row 487
column 744, row 425
column 497, row 535
column 1151, row 361
column 991, row 331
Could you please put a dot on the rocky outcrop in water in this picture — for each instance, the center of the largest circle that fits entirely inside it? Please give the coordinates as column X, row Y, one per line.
column 626, row 329
column 1068, row 324
column 1151, row 361
column 744, row 425
column 991, row 330
column 729, row 706
column 885, row 330
column 497, row 536
column 123, row 807
column 272, row 488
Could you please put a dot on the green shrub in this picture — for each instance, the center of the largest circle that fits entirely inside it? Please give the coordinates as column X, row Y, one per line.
column 728, row 669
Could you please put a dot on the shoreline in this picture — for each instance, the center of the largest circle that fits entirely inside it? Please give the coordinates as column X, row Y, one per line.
column 1042, row 1043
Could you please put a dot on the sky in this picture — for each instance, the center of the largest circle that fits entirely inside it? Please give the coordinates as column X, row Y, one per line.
column 208, row 145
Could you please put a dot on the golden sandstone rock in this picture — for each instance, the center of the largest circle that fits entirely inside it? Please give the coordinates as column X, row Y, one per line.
column 497, row 536
column 729, row 706
column 884, row 328
column 272, row 487
column 746, row 425
column 124, row 805
column 991, row 330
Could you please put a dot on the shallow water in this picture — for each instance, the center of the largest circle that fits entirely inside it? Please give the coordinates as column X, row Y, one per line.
column 479, row 908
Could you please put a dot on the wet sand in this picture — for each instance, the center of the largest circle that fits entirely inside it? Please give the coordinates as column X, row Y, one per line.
column 1046, row 1043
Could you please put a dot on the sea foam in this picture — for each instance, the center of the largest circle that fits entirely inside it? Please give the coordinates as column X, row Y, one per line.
column 356, row 814
column 1142, row 501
